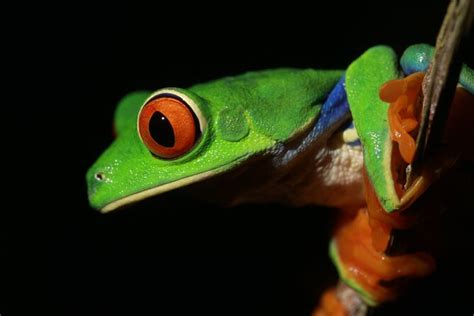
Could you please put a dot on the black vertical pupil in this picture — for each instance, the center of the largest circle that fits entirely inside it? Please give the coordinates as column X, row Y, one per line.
column 161, row 130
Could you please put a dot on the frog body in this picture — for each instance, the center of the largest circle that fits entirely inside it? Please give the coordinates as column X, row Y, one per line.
column 238, row 134
column 290, row 136
column 298, row 129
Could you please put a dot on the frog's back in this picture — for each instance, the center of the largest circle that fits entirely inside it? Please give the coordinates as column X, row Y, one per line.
column 278, row 101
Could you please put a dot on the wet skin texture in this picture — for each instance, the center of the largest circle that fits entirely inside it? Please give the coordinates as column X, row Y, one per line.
column 193, row 257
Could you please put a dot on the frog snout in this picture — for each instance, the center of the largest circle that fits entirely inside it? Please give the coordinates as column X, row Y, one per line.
column 96, row 179
column 100, row 176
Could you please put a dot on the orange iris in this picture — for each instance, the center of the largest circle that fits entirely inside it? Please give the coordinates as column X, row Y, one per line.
column 167, row 127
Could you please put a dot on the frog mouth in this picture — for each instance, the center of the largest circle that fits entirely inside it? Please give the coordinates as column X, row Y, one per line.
column 133, row 198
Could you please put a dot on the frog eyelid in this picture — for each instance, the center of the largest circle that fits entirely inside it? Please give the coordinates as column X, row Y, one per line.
column 173, row 93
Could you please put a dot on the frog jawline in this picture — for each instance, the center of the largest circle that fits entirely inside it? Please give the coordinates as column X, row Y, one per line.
column 158, row 190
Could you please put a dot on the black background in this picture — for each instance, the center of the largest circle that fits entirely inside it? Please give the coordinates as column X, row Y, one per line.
column 174, row 255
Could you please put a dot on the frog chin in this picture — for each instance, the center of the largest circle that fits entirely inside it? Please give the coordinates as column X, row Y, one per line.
column 133, row 198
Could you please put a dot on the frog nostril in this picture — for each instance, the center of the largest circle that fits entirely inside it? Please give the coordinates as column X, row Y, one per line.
column 100, row 176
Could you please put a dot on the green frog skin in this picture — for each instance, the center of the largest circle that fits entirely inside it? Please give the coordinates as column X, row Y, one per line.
column 257, row 125
column 277, row 124
column 290, row 136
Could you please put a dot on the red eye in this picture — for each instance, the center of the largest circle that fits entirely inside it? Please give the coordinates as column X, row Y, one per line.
column 168, row 127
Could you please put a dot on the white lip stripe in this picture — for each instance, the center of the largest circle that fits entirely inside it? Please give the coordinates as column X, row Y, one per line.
column 157, row 190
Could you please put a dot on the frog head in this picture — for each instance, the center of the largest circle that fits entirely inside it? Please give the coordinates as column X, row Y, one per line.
column 175, row 137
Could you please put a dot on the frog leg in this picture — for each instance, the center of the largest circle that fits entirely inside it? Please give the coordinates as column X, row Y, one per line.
column 363, row 247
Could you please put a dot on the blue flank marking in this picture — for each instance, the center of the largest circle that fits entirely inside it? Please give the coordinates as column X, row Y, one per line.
column 333, row 110
column 349, row 125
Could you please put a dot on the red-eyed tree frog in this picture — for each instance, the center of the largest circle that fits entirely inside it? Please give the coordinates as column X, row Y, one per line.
column 289, row 136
